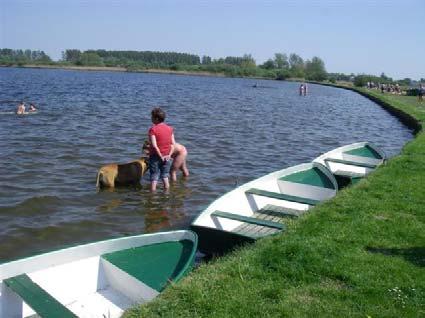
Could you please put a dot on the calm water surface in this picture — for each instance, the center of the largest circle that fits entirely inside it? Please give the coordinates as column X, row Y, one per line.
column 233, row 131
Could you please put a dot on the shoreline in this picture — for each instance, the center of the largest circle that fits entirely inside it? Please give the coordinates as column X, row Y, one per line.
column 359, row 254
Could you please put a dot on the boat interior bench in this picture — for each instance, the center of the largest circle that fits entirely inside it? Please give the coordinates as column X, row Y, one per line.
column 253, row 227
column 37, row 298
column 280, row 212
column 247, row 219
column 352, row 163
column 282, row 196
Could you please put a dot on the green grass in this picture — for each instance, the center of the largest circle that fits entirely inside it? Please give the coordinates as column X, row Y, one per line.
column 361, row 254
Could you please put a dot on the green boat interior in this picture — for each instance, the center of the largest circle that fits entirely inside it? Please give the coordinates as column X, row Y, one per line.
column 155, row 265
column 314, row 177
column 365, row 151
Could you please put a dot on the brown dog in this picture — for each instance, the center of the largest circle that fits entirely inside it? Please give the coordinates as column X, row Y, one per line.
column 113, row 174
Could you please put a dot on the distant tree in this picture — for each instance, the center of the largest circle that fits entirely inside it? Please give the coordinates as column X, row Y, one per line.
column 362, row 79
column 281, row 60
column 338, row 77
column 422, row 80
column 72, row 55
column 315, row 69
column 268, row 65
column 405, row 81
column 296, row 65
column 206, row 60
column 248, row 61
column 90, row 59
column 283, row 74
column 385, row 78
column 28, row 54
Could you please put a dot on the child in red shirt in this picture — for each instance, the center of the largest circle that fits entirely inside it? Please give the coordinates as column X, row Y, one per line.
column 162, row 142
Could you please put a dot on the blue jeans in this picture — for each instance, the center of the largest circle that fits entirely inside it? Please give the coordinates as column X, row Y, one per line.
column 158, row 168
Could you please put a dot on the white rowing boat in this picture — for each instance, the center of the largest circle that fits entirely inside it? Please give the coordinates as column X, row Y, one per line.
column 257, row 208
column 99, row 279
column 352, row 162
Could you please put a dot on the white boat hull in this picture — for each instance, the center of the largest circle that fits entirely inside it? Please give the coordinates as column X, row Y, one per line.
column 82, row 280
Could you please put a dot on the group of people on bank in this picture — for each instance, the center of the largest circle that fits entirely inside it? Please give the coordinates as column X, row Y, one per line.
column 166, row 157
column 395, row 89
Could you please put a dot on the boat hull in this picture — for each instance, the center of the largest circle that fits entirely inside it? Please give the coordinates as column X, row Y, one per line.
column 351, row 163
column 218, row 242
column 258, row 208
column 97, row 279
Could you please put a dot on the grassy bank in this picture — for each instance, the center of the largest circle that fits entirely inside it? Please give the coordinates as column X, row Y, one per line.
column 361, row 254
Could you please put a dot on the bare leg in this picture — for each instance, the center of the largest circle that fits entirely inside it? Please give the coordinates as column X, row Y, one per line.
column 153, row 185
column 184, row 169
column 173, row 174
column 176, row 166
column 166, row 183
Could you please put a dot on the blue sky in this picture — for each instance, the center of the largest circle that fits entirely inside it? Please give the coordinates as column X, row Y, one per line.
column 350, row 36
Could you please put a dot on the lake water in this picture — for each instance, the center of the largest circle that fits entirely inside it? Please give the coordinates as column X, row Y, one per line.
column 233, row 132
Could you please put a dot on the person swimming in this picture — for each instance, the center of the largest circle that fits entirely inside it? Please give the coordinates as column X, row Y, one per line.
column 21, row 109
column 32, row 108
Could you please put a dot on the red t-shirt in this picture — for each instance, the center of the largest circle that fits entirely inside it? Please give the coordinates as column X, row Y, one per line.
column 162, row 133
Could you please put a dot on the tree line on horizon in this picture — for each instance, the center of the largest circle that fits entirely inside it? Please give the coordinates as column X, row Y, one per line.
column 282, row 66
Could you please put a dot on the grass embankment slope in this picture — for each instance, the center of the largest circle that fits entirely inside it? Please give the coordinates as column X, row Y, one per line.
column 361, row 254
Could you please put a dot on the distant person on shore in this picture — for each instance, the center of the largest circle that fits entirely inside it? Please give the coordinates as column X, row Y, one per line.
column 32, row 108
column 179, row 161
column 421, row 92
column 21, row 109
column 161, row 138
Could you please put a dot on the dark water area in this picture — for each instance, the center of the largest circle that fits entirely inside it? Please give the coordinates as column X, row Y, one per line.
column 233, row 131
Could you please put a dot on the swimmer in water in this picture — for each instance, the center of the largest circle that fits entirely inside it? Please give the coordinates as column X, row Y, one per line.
column 21, row 109
column 32, row 108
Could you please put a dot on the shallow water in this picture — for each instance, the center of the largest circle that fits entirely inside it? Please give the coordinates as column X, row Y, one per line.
column 233, row 132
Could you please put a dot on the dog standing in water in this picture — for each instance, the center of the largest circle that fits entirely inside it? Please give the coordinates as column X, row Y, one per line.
column 113, row 174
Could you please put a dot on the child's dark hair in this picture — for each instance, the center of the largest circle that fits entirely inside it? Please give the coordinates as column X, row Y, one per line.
column 158, row 115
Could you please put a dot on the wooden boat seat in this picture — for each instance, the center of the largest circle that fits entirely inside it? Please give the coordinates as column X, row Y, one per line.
column 247, row 219
column 282, row 196
column 352, row 163
column 280, row 212
column 37, row 298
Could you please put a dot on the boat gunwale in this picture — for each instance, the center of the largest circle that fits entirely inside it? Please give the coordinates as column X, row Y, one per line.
column 6, row 269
